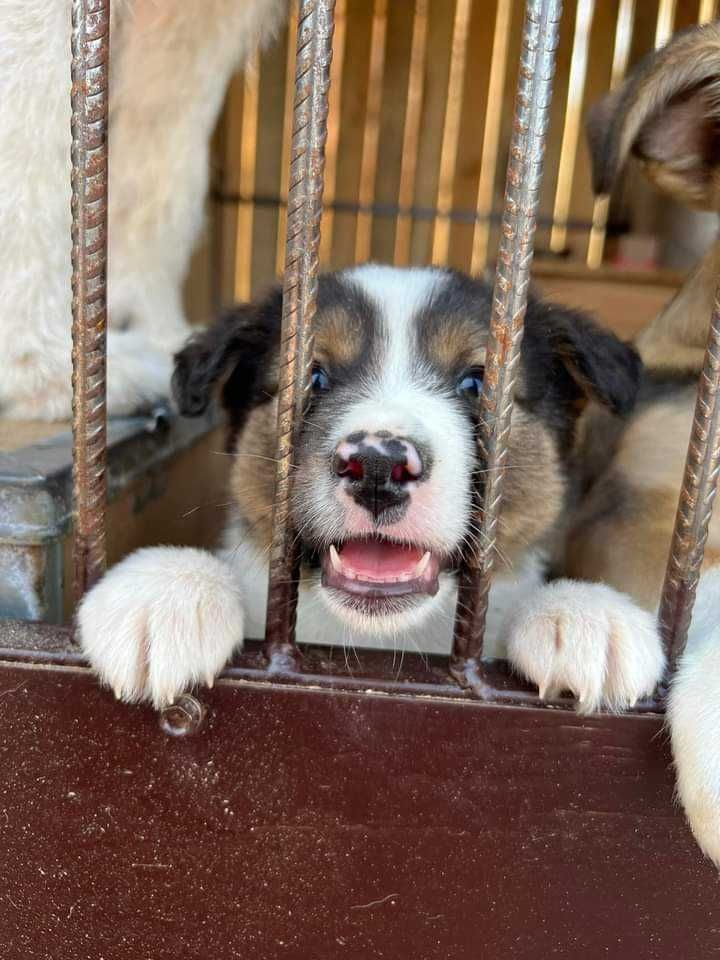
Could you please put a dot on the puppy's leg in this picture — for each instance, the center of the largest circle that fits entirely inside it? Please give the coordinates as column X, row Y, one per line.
column 586, row 638
column 171, row 65
column 162, row 620
column 694, row 719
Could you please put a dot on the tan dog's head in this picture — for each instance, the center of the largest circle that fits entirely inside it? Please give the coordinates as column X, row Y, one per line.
column 667, row 114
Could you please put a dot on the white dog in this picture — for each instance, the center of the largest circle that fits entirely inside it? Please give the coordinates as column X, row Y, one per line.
column 170, row 65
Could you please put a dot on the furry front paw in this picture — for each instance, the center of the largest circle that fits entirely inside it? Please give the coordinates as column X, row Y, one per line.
column 161, row 621
column 588, row 639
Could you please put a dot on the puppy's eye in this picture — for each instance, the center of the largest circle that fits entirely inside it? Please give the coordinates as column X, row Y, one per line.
column 320, row 380
column 470, row 383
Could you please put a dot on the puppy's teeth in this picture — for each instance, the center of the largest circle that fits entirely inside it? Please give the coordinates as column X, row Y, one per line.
column 422, row 564
column 335, row 559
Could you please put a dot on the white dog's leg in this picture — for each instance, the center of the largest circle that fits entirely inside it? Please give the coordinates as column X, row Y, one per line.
column 588, row 639
column 34, row 206
column 161, row 621
column 694, row 718
column 172, row 63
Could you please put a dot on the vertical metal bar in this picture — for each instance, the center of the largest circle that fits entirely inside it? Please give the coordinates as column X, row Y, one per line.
column 89, row 177
column 411, row 134
column 246, row 181
column 702, row 470
column 522, row 191
column 491, row 135
column 333, row 135
column 286, row 137
column 451, row 133
column 707, row 11
column 312, row 78
column 621, row 55
column 571, row 129
column 665, row 21
column 371, row 134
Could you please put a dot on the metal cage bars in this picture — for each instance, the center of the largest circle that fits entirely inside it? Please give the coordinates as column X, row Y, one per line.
column 697, row 495
column 512, row 276
column 90, row 63
column 89, row 126
column 302, row 247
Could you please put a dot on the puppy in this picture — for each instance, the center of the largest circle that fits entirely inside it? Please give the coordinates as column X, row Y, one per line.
column 170, row 64
column 667, row 114
column 381, row 496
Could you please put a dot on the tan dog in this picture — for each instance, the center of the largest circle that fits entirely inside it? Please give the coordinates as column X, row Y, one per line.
column 667, row 114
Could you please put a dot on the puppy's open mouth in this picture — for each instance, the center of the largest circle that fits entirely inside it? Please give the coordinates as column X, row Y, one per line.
column 376, row 569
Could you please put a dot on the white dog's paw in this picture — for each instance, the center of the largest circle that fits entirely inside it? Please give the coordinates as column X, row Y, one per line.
column 161, row 621
column 138, row 374
column 589, row 639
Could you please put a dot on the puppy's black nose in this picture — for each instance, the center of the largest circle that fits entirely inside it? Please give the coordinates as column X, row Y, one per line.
column 378, row 469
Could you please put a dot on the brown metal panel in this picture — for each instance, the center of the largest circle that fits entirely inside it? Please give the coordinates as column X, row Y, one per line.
column 323, row 825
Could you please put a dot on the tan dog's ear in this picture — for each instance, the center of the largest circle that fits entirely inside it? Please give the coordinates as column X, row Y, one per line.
column 668, row 114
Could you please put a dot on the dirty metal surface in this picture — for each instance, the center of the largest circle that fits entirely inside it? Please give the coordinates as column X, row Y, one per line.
column 305, row 823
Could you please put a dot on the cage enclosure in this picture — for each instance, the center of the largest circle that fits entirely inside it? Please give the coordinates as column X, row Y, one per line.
column 314, row 803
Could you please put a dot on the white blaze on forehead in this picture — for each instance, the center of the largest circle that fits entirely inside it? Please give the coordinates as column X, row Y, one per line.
column 396, row 395
column 398, row 295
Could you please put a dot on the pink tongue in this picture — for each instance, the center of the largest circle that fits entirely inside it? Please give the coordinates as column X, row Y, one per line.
column 376, row 559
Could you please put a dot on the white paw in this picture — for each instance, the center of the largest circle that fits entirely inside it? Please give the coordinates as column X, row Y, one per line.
column 693, row 716
column 161, row 621
column 589, row 639
column 138, row 374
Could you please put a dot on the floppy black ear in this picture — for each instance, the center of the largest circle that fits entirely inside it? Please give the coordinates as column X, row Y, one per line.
column 589, row 363
column 667, row 112
column 238, row 349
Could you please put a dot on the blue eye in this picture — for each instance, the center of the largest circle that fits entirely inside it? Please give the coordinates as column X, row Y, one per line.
column 320, row 380
column 470, row 383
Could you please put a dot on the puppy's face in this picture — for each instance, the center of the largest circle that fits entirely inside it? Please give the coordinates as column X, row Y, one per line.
column 387, row 457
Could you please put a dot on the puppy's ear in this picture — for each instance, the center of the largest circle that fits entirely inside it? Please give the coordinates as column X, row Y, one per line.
column 667, row 113
column 588, row 362
column 237, row 350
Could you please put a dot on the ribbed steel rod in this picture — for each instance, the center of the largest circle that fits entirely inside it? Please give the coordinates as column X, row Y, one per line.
column 522, row 190
column 89, row 125
column 699, row 486
column 307, row 163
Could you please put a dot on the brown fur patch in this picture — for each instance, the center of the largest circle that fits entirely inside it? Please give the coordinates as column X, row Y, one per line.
column 458, row 342
column 339, row 338
column 252, row 479
column 676, row 338
column 621, row 533
column 535, row 487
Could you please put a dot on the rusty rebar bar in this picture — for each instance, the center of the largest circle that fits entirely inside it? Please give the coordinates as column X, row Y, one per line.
column 307, row 162
column 522, row 189
column 699, row 486
column 89, row 125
